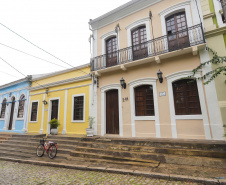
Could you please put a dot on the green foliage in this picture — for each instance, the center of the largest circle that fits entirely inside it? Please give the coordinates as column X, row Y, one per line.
column 214, row 73
column 91, row 121
column 54, row 123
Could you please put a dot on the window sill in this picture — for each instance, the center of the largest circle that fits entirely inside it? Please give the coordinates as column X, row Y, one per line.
column 2, row 119
column 19, row 119
column 33, row 121
column 184, row 117
column 144, row 118
column 78, row 121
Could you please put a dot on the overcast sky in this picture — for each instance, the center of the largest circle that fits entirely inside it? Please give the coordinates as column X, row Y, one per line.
column 58, row 26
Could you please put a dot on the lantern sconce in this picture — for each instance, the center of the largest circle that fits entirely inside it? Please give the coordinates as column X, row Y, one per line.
column 123, row 83
column 44, row 102
column 159, row 74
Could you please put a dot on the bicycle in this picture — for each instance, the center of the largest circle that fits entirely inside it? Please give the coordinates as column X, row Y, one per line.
column 50, row 148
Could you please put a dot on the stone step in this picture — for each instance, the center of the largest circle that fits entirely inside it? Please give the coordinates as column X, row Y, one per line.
column 163, row 158
column 110, row 157
column 164, row 143
column 66, row 137
column 129, row 148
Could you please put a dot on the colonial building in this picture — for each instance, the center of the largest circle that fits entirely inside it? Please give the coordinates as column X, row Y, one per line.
column 215, row 34
column 142, row 51
column 63, row 95
column 13, row 105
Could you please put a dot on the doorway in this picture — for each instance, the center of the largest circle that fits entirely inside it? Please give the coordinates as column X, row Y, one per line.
column 112, row 112
column 54, row 109
column 11, row 114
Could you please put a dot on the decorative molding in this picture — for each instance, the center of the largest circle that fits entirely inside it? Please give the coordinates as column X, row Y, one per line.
column 64, row 131
column 103, row 107
column 13, row 83
column 222, row 104
column 215, row 32
column 15, row 90
column 209, row 15
column 121, row 12
column 62, row 82
column 177, row 76
column 109, row 34
column 139, row 82
column 138, row 22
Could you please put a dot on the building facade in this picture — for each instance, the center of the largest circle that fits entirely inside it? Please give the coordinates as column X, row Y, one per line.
column 63, row 95
column 141, row 53
column 215, row 33
column 14, row 105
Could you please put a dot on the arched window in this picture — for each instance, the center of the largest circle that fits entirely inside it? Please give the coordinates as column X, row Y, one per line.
column 111, row 51
column 176, row 27
column 139, row 42
column 2, row 115
column 21, row 106
column 186, row 97
column 144, row 101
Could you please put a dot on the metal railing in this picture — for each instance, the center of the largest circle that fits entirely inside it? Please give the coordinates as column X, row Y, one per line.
column 173, row 41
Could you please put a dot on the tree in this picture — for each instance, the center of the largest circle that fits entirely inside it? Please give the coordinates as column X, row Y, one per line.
column 211, row 75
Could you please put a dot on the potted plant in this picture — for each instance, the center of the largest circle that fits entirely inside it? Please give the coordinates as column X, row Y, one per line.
column 54, row 124
column 90, row 130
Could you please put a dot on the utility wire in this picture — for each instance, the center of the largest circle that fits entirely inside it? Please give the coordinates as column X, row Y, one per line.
column 9, row 74
column 19, row 71
column 40, row 48
column 31, row 55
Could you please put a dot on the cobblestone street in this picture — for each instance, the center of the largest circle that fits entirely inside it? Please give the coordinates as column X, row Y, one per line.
column 24, row 174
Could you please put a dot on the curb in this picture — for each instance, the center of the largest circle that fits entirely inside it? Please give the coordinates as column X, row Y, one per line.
column 205, row 181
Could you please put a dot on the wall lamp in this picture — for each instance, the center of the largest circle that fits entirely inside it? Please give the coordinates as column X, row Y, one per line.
column 123, row 83
column 150, row 15
column 44, row 102
column 159, row 74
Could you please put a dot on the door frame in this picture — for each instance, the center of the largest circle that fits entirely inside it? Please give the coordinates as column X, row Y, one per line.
column 50, row 110
column 104, row 89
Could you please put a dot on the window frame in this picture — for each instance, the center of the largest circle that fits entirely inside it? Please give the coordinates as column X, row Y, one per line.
column 34, row 101
column 84, row 107
column 17, row 116
column 1, row 108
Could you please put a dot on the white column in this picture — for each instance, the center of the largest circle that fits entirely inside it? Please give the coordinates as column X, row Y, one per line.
column 43, row 109
column 15, row 110
column 7, row 113
column 212, row 102
column 26, row 115
column 64, row 131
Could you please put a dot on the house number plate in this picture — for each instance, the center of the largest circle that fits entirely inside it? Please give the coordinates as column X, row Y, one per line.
column 162, row 94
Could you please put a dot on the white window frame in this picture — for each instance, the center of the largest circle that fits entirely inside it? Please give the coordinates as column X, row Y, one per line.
column 141, row 22
column 104, row 89
column 18, row 107
column 218, row 7
column 84, row 106
column 31, row 110
column 132, row 86
column 204, row 116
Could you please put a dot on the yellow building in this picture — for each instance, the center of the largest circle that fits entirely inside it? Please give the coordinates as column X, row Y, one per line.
column 63, row 95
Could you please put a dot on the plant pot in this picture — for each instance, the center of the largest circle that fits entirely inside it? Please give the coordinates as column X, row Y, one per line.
column 54, row 131
column 89, row 132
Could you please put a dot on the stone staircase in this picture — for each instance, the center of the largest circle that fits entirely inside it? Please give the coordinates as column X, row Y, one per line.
column 151, row 152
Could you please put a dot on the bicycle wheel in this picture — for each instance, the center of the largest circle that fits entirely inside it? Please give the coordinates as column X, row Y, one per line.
column 40, row 150
column 52, row 151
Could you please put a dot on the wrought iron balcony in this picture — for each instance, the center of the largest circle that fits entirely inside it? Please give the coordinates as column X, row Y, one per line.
column 173, row 41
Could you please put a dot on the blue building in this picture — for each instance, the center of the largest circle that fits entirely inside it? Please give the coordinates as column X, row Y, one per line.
column 14, row 105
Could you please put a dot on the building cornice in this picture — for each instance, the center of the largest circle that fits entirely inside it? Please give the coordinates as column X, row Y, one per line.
column 62, row 82
column 217, row 31
column 14, row 83
column 209, row 15
column 121, row 12
column 61, row 72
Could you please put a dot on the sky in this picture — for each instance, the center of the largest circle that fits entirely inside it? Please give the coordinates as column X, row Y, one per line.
column 57, row 26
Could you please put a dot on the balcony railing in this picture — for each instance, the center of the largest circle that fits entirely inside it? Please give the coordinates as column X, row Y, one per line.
column 173, row 41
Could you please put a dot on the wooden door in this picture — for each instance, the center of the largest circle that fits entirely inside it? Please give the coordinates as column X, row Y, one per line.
column 111, row 50
column 54, row 110
column 139, row 40
column 112, row 112
column 11, row 114
column 177, row 32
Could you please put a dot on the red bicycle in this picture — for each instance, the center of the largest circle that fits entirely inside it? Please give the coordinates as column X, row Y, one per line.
column 50, row 148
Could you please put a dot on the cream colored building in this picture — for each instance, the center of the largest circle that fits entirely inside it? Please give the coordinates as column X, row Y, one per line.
column 134, row 42
column 215, row 33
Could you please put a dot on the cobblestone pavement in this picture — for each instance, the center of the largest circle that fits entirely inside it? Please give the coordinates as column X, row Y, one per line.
column 26, row 174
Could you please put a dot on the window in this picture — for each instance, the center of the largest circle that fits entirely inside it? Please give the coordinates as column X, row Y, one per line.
column 186, row 98
column 144, row 101
column 21, row 106
column 34, row 111
column 111, row 51
column 139, row 42
column 177, row 33
column 3, row 109
column 78, row 108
